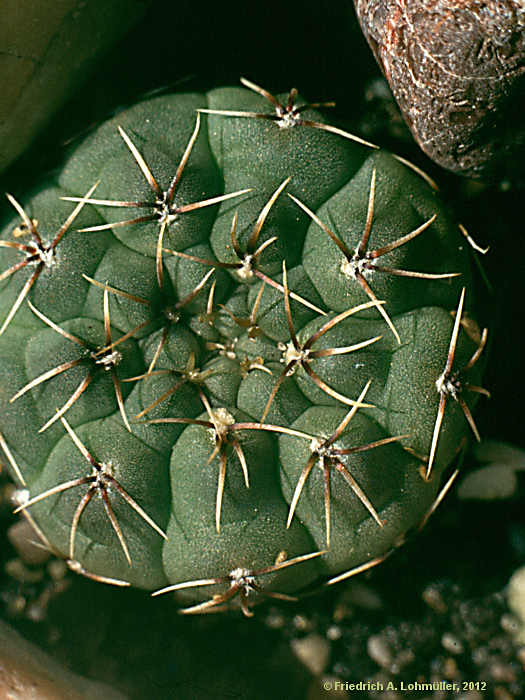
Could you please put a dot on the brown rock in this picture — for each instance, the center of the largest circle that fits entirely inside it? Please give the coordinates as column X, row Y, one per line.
column 457, row 71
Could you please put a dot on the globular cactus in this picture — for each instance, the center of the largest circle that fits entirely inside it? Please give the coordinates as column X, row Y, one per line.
column 230, row 360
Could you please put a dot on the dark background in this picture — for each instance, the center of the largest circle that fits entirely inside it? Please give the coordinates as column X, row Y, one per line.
column 468, row 550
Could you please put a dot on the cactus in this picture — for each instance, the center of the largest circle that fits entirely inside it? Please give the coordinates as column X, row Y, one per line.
column 238, row 353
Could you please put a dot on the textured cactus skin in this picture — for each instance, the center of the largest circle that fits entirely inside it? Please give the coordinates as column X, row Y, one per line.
column 164, row 466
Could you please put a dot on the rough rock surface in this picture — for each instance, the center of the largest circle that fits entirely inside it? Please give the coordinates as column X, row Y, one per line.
column 457, row 70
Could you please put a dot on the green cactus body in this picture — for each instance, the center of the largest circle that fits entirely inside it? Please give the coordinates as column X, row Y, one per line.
column 231, row 368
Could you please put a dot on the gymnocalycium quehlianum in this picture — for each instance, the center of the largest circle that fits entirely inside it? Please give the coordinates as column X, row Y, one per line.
column 236, row 360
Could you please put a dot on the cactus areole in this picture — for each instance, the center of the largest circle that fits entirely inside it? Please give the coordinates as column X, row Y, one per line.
column 235, row 356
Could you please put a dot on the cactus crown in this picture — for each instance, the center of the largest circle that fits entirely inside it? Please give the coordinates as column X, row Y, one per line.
column 231, row 369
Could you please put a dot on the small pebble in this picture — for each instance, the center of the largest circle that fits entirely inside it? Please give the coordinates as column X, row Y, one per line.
column 502, row 673
column 334, row 632
column 495, row 482
column 451, row 643
column 510, row 624
column 16, row 606
column 313, row 651
column 301, row 623
column 275, row 620
column 433, row 598
column 23, row 538
column 516, row 600
column 450, row 669
column 57, row 569
column 379, row 651
column 15, row 568
column 404, row 658
column 35, row 612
